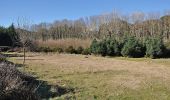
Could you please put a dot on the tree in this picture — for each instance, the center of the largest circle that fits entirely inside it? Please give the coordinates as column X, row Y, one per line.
column 94, row 46
column 166, row 26
column 154, row 47
column 112, row 47
column 14, row 36
column 5, row 38
column 132, row 48
column 25, row 35
column 102, row 48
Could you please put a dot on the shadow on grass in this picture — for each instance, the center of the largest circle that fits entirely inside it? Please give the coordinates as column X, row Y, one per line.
column 15, row 55
column 19, row 65
column 42, row 88
column 19, row 55
column 47, row 91
column 12, row 55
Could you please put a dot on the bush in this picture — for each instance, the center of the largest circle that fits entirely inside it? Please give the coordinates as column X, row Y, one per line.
column 105, row 47
column 166, row 53
column 132, row 48
column 102, row 48
column 80, row 50
column 154, row 47
column 59, row 50
column 86, row 51
column 32, row 46
column 112, row 47
column 45, row 49
column 99, row 47
column 71, row 50
column 15, row 85
column 94, row 47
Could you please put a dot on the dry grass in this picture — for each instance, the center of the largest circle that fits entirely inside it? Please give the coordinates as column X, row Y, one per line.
column 65, row 43
column 103, row 78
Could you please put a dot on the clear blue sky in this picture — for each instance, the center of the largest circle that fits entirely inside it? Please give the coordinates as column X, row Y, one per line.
column 50, row 10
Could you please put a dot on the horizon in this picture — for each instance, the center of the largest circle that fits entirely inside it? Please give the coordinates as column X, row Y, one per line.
column 49, row 11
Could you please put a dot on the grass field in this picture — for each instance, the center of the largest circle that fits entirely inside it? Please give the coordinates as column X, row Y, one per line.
column 99, row 78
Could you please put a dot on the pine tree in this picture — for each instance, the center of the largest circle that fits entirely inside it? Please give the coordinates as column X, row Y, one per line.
column 14, row 36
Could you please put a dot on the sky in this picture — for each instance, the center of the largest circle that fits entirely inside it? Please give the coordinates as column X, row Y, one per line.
column 50, row 10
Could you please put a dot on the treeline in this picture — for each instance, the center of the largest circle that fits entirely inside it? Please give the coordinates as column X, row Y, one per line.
column 130, row 46
column 113, row 24
column 139, row 32
column 138, row 24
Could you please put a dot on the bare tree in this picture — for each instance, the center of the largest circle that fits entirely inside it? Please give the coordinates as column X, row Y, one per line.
column 138, row 24
column 25, row 35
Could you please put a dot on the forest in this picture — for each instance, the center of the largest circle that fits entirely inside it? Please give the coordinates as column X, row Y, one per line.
column 114, row 24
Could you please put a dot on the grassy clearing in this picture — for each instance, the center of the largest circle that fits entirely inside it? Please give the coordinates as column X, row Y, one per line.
column 98, row 78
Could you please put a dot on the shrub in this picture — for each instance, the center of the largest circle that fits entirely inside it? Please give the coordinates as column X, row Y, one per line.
column 99, row 47
column 45, row 49
column 59, row 50
column 86, row 51
column 80, row 50
column 166, row 53
column 15, row 85
column 102, row 48
column 132, row 48
column 112, row 47
column 71, row 50
column 94, row 47
column 32, row 46
column 154, row 47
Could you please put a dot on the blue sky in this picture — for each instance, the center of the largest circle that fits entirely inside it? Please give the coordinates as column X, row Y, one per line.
column 50, row 10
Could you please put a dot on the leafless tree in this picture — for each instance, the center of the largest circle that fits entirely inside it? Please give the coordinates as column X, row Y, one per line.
column 138, row 24
column 25, row 35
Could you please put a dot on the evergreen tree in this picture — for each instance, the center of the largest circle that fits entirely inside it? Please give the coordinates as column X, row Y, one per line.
column 14, row 36
column 94, row 46
column 5, row 39
column 154, row 47
column 102, row 48
column 112, row 47
column 132, row 48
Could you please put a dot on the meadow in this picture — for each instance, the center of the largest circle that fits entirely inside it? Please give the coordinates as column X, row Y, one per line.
column 84, row 50
column 101, row 78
